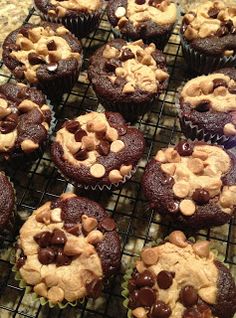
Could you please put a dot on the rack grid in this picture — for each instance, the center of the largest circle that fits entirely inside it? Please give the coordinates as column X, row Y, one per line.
column 39, row 182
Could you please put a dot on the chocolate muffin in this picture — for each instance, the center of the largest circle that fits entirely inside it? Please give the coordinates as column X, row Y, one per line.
column 208, row 36
column 208, row 107
column 46, row 55
column 7, row 206
column 97, row 149
column 193, row 183
column 149, row 20
column 128, row 76
column 80, row 17
column 25, row 120
column 67, row 248
column 180, row 279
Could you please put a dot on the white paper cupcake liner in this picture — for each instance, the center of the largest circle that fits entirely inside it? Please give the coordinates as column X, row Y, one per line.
column 80, row 26
column 202, row 64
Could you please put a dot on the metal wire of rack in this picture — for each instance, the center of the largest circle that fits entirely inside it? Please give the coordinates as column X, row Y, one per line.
column 138, row 225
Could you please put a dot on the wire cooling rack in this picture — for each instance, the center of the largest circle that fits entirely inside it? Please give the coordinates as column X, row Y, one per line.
column 137, row 224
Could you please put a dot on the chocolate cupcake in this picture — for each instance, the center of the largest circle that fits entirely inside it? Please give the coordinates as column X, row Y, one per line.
column 128, row 77
column 46, row 55
column 149, row 20
column 80, row 17
column 180, row 279
column 7, row 207
column 193, row 183
column 66, row 249
column 97, row 150
column 208, row 108
column 208, row 36
column 25, row 120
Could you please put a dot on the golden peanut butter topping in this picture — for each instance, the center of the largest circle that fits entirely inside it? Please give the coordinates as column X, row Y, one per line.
column 217, row 89
column 181, row 264
column 201, row 171
column 65, row 275
column 42, row 46
column 8, row 123
column 206, row 19
column 90, row 137
column 81, row 6
column 140, row 69
column 161, row 13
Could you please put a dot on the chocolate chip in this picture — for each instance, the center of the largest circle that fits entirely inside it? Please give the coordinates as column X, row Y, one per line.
column 80, row 134
column 213, row 12
column 7, row 126
column 232, row 90
column 229, row 25
column 160, row 310
column 94, row 288
column 51, row 45
column 103, row 148
column 35, row 59
column 201, row 196
column 127, row 54
column 184, row 148
column 81, row 155
column 19, row 72
column 46, row 255
column 24, row 32
column 62, row 259
column 145, row 279
column 52, row 67
column 72, row 126
column 146, row 296
column 188, row 296
column 112, row 64
column 192, row 313
column 140, row 1
column 222, row 31
column 58, row 237
column 73, row 229
column 164, row 279
column 13, row 117
column 43, row 239
column 173, row 207
column 131, row 285
column 134, row 300
column 21, row 260
column 219, row 82
column 203, row 106
column 108, row 224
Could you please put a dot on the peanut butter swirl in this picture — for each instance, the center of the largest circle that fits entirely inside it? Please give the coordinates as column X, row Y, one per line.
column 216, row 92
column 80, row 6
column 198, row 177
column 138, row 67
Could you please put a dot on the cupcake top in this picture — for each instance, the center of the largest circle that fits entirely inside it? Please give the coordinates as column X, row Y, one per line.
column 7, row 201
column 128, row 70
column 41, row 52
column 67, row 247
column 211, row 28
column 212, row 95
column 142, row 14
column 24, row 119
column 179, row 279
column 97, row 148
column 67, row 7
column 194, row 182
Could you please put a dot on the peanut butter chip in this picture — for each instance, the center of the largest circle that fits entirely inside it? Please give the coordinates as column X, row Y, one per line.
column 168, row 168
column 195, row 165
column 117, row 146
column 115, row 176
column 56, row 215
column 139, row 312
column 229, row 129
column 125, row 170
column 94, row 237
column 201, row 248
column 3, row 103
column 160, row 156
column 41, row 290
column 55, row 294
column 112, row 134
column 181, row 189
column 28, row 145
column 97, row 170
column 89, row 223
column 178, row 238
column 172, row 155
column 149, row 256
column 187, row 207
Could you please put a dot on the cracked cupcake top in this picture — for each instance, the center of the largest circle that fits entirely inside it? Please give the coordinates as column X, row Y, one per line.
column 36, row 52
column 97, row 146
column 175, row 279
column 24, row 119
column 212, row 19
column 63, row 246
column 216, row 93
